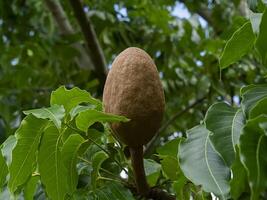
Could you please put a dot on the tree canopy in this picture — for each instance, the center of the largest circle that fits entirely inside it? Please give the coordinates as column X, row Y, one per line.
column 211, row 57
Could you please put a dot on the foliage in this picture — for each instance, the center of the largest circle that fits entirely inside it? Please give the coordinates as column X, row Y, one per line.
column 212, row 65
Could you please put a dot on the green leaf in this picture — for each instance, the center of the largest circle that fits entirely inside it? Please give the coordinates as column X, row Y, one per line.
column 54, row 113
column 170, row 167
column 87, row 118
column 152, row 170
column 24, row 154
column 53, row 172
column 259, row 108
column 225, row 123
column 178, row 187
column 69, row 156
column 71, row 98
column 262, row 38
column 113, row 191
column 30, row 188
column 169, row 159
column 3, row 170
column 202, row 164
column 170, row 148
column 8, row 147
column 76, row 110
column 251, row 95
column 239, row 182
column 97, row 160
column 253, row 148
column 237, row 46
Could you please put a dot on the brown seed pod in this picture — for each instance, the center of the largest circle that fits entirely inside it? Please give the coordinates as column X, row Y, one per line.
column 133, row 89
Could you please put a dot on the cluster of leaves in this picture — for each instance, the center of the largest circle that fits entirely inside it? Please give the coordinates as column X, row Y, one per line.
column 229, row 147
column 50, row 142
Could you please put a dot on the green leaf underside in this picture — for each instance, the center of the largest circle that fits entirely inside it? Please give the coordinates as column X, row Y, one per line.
column 225, row 123
column 69, row 156
column 3, row 169
column 52, row 170
column 255, row 19
column 239, row 181
column 54, row 113
column 251, row 95
column 73, row 97
column 253, row 148
column 24, row 154
column 8, row 147
column 262, row 38
column 259, row 108
column 237, row 46
column 202, row 164
column 87, row 118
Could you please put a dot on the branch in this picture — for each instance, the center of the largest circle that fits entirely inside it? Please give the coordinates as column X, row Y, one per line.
column 65, row 28
column 150, row 146
column 60, row 17
column 93, row 45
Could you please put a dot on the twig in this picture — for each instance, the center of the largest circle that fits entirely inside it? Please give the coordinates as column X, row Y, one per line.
column 93, row 45
column 151, row 144
column 98, row 145
column 60, row 17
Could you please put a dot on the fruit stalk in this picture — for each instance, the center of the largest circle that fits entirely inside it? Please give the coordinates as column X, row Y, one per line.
column 139, row 171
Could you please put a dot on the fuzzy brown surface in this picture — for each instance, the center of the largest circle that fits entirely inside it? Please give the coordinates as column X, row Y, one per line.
column 133, row 89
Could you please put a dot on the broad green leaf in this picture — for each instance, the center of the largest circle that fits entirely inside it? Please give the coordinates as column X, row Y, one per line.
column 178, row 187
column 30, row 187
column 87, row 118
column 69, row 156
column 259, row 108
column 52, row 170
column 76, row 110
column 225, row 123
column 8, row 147
column 262, row 38
column 114, row 191
column 152, row 170
column 3, row 170
column 253, row 148
column 170, row 167
column 24, row 154
column 251, row 95
column 54, row 113
column 97, row 160
column 239, row 182
column 202, row 164
column 169, row 159
column 73, row 97
column 170, row 148
column 237, row 46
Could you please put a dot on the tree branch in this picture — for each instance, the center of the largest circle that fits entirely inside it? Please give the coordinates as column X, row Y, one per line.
column 151, row 145
column 93, row 45
column 65, row 28
column 60, row 17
